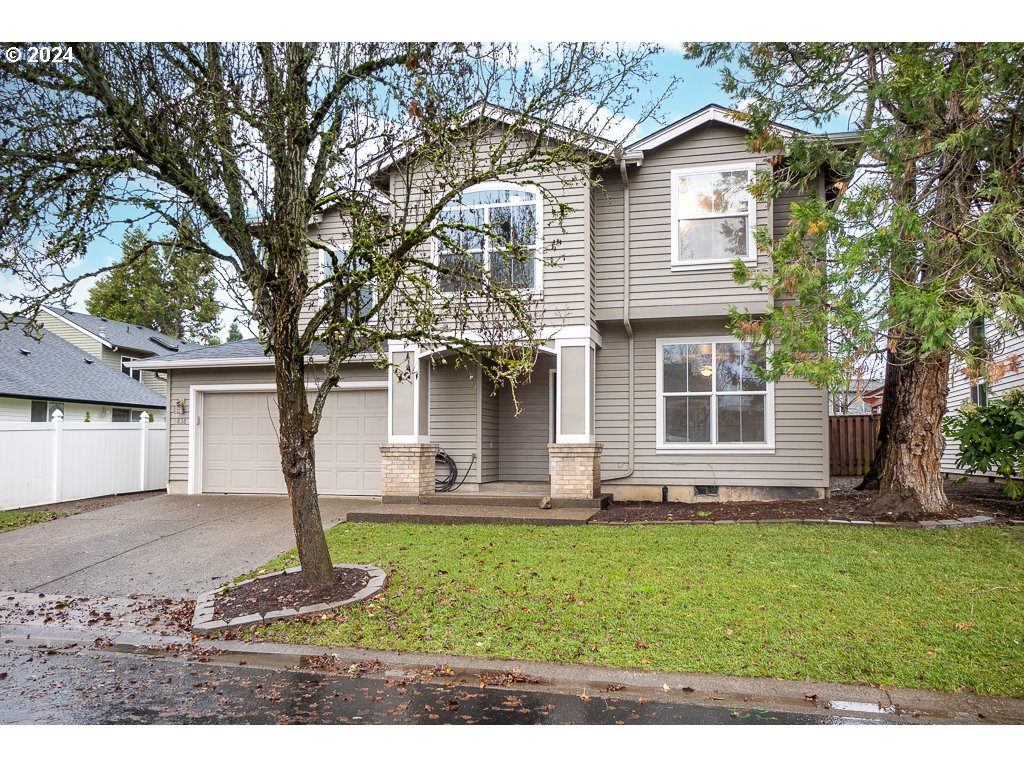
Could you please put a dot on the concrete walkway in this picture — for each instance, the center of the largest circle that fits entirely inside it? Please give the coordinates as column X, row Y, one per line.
column 172, row 546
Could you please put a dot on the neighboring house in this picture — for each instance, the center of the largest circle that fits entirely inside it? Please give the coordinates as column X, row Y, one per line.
column 116, row 343
column 1006, row 372
column 39, row 376
column 860, row 398
column 641, row 386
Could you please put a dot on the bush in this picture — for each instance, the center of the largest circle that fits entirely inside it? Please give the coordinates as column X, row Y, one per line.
column 992, row 439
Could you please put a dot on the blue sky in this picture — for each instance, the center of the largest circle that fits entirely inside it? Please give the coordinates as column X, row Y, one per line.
column 699, row 87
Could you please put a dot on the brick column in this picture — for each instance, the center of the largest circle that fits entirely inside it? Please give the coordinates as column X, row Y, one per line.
column 575, row 470
column 406, row 471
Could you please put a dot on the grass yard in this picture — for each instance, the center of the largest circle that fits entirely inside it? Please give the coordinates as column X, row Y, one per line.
column 916, row 608
column 14, row 519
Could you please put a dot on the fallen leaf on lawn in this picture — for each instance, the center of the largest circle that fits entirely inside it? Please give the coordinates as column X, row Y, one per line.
column 728, row 631
column 645, row 661
column 932, row 653
column 964, row 626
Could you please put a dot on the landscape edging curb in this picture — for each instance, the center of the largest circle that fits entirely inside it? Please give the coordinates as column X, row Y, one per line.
column 203, row 621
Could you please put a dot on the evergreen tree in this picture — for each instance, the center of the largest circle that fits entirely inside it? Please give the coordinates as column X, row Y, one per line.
column 169, row 288
column 922, row 238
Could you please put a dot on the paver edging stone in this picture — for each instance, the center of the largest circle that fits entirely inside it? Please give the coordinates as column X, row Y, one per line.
column 202, row 617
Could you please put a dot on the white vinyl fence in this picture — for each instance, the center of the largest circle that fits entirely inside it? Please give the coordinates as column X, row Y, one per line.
column 60, row 461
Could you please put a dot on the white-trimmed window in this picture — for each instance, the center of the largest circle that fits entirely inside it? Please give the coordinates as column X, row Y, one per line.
column 364, row 301
column 713, row 215
column 711, row 398
column 509, row 255
column 127, row 371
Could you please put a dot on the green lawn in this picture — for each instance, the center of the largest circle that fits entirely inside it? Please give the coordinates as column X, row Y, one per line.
column 14, row 519
column 917, row 608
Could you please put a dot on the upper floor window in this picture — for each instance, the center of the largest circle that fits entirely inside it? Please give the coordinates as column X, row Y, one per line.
column 360, row 303
column 492, row 233
column 712, row 215
column 711, row 396
column 126, row 369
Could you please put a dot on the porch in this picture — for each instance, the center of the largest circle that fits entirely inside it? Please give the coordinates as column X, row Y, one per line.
column 509, row 447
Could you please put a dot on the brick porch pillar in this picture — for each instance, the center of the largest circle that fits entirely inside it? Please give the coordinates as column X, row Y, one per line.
column 575, row 470
column 407, row 471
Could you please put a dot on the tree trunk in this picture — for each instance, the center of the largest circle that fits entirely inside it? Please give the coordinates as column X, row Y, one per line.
column 298, row 461
column 907, row 467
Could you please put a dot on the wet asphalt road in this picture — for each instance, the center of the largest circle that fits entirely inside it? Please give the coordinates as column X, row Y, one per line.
column 88, row 685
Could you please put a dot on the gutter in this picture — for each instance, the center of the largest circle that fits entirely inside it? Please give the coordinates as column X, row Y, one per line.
column 628, row 326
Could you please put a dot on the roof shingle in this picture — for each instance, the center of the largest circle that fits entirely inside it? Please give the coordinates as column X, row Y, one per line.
column 53, row 369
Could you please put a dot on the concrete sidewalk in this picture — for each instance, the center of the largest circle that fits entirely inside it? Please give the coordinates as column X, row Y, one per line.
column 171, row 546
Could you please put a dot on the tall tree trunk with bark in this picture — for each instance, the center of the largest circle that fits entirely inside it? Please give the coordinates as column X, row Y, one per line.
column 906, row 471
column 298, row 461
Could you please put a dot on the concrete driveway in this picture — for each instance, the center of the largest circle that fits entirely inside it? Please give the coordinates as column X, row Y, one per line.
column 172, row 546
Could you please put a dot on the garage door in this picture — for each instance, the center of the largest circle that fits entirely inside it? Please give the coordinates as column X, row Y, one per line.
column 240, row 453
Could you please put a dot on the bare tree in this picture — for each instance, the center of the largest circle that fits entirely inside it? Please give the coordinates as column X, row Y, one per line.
column 254, row 141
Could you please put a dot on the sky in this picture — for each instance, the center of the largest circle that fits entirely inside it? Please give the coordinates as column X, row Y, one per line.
column 697, row 88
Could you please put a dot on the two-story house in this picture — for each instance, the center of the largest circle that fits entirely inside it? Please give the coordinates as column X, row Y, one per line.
column 640, row 390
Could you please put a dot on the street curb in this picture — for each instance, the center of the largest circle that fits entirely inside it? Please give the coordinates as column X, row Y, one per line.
column 203, row 621
column 906, row 705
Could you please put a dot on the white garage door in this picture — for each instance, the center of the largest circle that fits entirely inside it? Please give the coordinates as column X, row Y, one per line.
column 240, row 453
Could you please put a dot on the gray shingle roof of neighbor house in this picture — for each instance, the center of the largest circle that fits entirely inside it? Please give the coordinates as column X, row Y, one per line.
column 124, row 335
column 53, row 369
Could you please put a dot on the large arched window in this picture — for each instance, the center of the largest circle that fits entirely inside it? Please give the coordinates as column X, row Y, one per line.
column 492, row 233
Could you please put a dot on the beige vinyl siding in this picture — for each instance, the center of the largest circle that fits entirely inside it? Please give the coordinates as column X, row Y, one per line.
column 71, row 334
column 112, row 357
column 455, row 412
column 655, row 289
column 1011, row 353
column 15, row 409
column 183, row 379
column 332, row 229
column 801, row 450
column 565, row 240
column 489, row 436
column 523, row 439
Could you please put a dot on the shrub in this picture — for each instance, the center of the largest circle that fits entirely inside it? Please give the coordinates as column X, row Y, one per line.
column 992, row 439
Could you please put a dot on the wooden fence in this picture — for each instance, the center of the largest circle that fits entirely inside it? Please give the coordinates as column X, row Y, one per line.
column 851, row 444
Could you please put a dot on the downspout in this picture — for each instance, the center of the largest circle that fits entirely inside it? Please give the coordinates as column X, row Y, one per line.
column 630, row 421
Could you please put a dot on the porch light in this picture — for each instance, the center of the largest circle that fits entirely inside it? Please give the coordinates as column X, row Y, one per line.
column 705, row 371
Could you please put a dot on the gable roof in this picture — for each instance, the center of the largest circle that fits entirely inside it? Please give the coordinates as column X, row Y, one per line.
column 116, row 334
column 707, row 114
column 53, row 369
column 482, row 110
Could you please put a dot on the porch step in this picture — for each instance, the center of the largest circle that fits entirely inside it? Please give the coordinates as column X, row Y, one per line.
column 432, row 514
column 491, row 500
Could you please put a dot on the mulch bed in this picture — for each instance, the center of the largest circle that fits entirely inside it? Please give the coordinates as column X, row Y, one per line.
column 845, row 503
column 286, row 590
